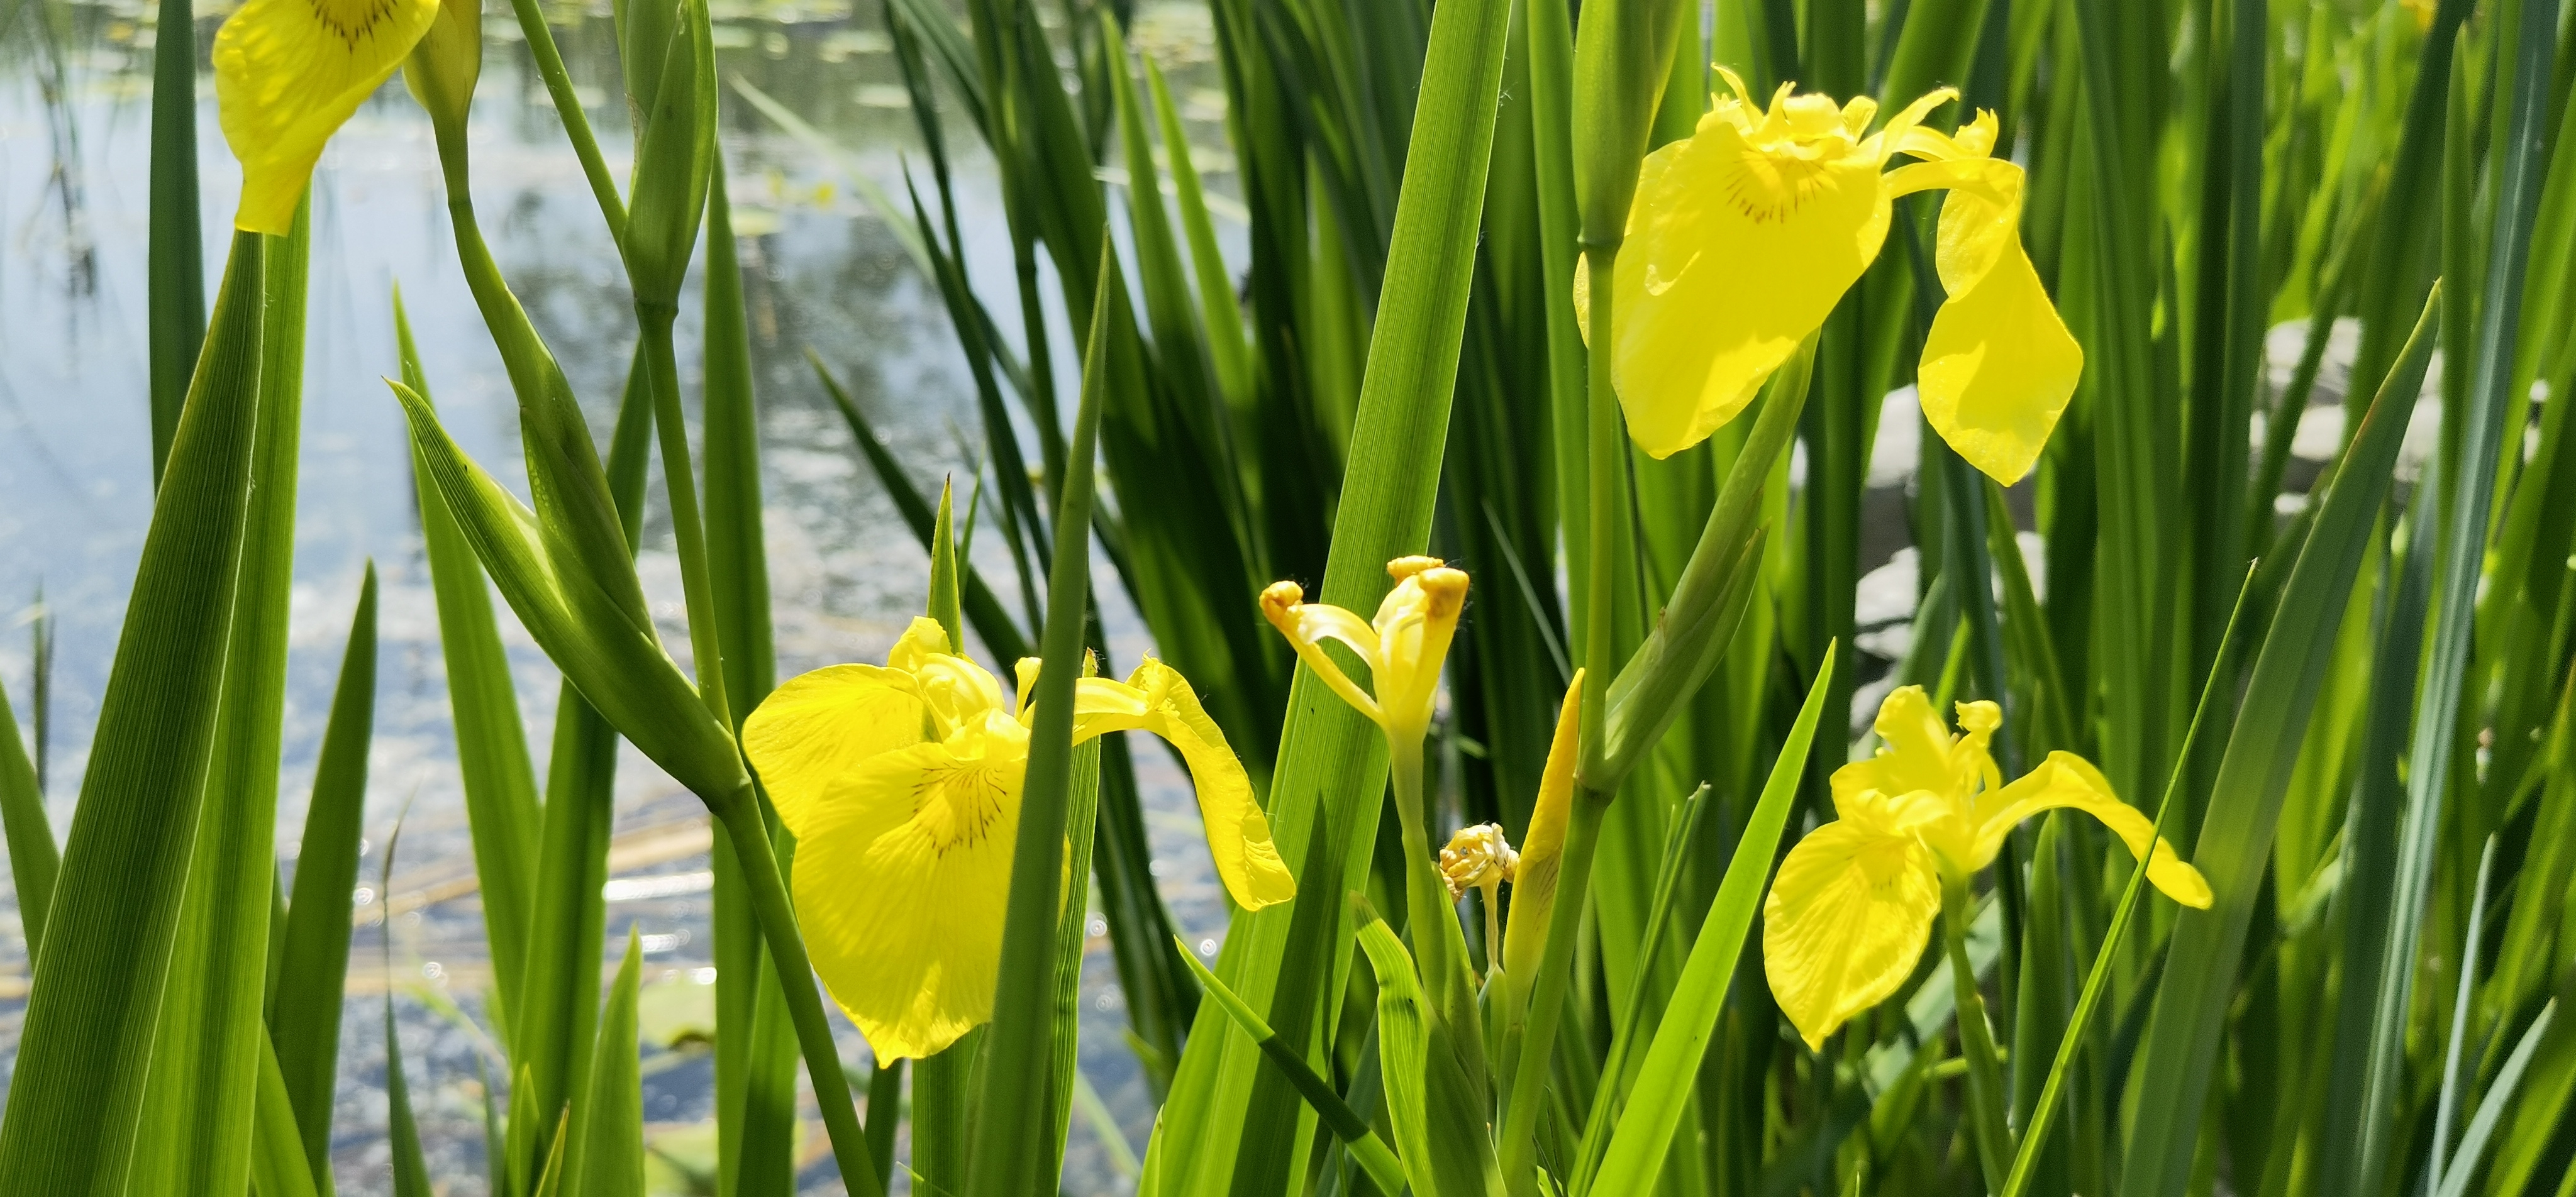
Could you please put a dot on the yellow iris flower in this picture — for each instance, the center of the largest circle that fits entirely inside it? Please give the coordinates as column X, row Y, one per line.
column 288, row 74
column 1403, row 647
column 902, row 785
column 1745, row 235
column 1852, row 906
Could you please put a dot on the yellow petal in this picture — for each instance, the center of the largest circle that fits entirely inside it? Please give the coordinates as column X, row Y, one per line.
column 1846, row 920
column 1915, row 755
column 1734, row 254
column 288, row 73
column 1156, row 698
column 812, row 732
column 1998, row 364
column 1414, row 626
column 1307, row 625
column 1534, row 887
column 902, row 880
column 2068, row 780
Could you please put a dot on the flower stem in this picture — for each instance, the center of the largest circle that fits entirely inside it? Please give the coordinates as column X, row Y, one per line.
column 1438, row 945
column 550, row 64
column 679, row 479
column 1976, row 1041
column 740, row 813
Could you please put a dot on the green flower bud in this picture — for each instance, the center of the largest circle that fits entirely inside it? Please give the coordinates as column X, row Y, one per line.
column 443, row 67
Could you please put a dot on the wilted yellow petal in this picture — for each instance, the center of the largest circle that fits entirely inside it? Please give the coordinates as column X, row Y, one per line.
column 1740, row 242
column 903, row 877
column 288, row 73
column 812, row 732
column 1534, row 884
column 1157, row 699
column 2068, row 780
column 1846, row 920
column 1477, row 856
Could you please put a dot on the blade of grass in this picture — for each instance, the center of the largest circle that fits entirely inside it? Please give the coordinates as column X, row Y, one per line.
column 410, row 1169
column 755, row 1051
column 1011, row 1112
column 1402, row 1047
column 983, row 612
column 1346, row 1125
column 197, row 1135
column 33, row 858
column 2097, row 981
column 605, row 1152
column 2463, row 1166
column 1288, row 961
column 555, row 1008
column 304, row 1019
column 491, row 744
column 175, row 253
column 2448, row 1104
column 2262, row 748
column 1665, row 1086
column 276, row 1165
column 78, row 1082
column 1064, row 997
column 2438, row 712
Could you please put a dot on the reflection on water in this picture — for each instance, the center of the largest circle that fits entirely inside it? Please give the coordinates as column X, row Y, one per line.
column 75, row 489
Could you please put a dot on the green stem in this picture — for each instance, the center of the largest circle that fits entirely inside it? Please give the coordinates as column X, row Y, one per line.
column 662, row 369
column 1605, row 472
column 740, row 813
column 1976, row 1041
column 1424, row 892
column 550, row 65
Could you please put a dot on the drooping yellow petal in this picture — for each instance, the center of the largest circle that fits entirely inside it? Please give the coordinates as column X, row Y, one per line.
column 814, row 731
column 1847, row 918
column 1534, row 882
column 1156, row 698
column 1307, row 625
column 1740, row 242
column 902, row 881
column 2068, row 780
column 1998, row 363
column 288, row 73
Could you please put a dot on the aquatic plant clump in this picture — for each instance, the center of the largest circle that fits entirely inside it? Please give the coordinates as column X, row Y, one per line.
column 1696, row 665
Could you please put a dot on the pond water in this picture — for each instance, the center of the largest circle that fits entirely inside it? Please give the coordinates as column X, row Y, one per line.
column 821, row 271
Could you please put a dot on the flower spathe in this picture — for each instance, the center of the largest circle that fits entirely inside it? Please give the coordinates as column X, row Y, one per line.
column 1852, row 905
column 902, row 784
column 1745, row 235
column 1403, row 647
column 288, row 73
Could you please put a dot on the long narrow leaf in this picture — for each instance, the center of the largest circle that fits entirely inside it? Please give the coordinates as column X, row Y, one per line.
column 1666, row 1085
column 77, row 1088
column 304, row 1019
